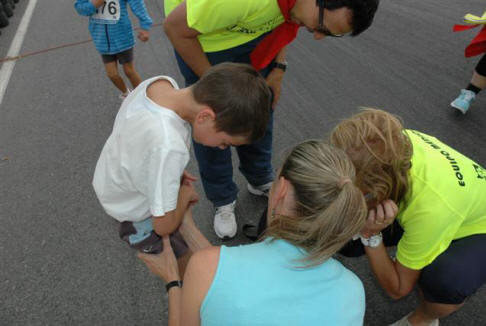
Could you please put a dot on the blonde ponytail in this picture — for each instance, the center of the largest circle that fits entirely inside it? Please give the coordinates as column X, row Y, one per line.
column 330, row 209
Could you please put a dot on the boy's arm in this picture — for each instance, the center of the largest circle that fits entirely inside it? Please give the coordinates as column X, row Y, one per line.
column 167, row 224
column 87, row 7
column 139, row 9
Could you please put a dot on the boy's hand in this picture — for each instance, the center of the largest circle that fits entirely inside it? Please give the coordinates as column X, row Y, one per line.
column 97, row 3
column 164, row 265
column 379, row 218
column 143, row 35
column 188, row 193
column 187, row 178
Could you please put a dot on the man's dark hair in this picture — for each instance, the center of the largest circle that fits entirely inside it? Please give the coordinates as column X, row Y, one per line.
column 239, row 96
column 363, row 12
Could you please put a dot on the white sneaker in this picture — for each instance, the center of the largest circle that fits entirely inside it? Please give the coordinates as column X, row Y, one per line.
column 464, row 100
column 123, row 96
column 262, row 190
column 225, row 221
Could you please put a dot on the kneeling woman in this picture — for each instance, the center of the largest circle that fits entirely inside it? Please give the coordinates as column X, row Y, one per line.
column 289, row 277
column 441, row 229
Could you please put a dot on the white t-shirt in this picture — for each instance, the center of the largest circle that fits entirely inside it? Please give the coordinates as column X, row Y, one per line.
column 139, row 170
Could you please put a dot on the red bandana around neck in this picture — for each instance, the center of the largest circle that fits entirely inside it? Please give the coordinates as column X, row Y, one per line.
column 478, row 44
column 270, row 46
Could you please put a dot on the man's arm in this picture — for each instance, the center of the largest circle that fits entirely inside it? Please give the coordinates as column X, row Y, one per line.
column 275, row 77
column 184, row 39
column 167, row 224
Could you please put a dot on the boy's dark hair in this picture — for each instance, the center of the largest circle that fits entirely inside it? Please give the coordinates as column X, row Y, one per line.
column 239, row 96
column 363, row 12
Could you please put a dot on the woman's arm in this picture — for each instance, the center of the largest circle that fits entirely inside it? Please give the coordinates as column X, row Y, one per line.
column 185, row 303
column 197, row 281
column 164, row 265
column 396, row 279
column 191, row 233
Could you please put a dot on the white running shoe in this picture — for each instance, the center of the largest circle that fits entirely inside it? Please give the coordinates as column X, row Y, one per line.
column 225, row 221
column 262, row 190
column 464, row 100
column 123, row 96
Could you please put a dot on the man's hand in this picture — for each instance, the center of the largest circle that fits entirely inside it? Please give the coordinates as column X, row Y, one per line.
column 143, row 35
column 164, row 265
column 379, row 218
column 274, row 81
column 187, row 178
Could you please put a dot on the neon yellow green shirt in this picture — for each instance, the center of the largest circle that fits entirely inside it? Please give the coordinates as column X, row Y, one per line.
column 224, row 24
column 446, row 201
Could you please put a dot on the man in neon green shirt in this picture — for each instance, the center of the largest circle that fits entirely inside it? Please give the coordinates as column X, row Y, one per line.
column 441, row 213
column 207, row 32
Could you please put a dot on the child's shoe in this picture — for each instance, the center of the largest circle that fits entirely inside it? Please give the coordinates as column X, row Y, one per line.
column 123, row 96
column 464, row 100
column 262, row 190
column 225, row 221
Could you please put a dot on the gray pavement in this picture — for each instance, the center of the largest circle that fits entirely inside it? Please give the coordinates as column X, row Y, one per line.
column 62, row 262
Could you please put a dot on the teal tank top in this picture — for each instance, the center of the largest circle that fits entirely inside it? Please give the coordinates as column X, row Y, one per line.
column 262, row 284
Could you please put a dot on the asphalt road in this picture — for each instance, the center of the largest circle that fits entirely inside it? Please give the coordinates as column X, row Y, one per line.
column 61, row 260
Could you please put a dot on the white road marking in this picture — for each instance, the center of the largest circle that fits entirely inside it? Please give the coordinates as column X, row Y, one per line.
column 7, row 67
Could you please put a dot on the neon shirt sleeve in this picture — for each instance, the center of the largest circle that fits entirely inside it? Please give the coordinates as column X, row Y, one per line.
column 430, row 225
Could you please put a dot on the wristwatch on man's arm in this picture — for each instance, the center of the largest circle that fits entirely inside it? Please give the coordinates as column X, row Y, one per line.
column 279, row 65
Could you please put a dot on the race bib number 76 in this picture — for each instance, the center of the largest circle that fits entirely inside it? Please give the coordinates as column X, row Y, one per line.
column 107, row 13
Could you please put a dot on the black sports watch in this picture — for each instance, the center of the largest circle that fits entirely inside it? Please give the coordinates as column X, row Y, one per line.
column 280, row 65
column 170, row 285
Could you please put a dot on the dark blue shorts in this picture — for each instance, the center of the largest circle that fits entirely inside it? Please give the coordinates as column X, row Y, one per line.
column 122, row 57
column 456, row 273
column 452, row 277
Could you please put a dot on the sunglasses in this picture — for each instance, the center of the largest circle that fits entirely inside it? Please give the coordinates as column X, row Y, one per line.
column 321, row 28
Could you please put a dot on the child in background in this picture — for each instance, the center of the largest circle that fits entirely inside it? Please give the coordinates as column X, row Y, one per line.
column 112, row 35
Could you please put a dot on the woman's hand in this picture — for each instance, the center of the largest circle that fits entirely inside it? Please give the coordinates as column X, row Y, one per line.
column 164, row 265
column 379, row 218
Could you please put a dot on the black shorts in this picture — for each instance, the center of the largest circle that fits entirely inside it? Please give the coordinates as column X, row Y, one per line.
column 122, row 57
column 452, row 277
column 153, row 243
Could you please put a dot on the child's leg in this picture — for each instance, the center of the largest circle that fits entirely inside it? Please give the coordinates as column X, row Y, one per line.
column 112, row 73
column 132, row 74
column 126, row 60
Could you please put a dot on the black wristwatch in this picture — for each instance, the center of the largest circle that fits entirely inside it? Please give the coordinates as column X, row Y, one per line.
column 170, row 285
column 280, row 65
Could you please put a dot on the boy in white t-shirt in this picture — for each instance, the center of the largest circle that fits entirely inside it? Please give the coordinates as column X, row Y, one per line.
column 140, row 178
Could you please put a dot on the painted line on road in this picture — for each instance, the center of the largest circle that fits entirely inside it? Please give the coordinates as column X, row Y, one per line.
column 7, row 67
